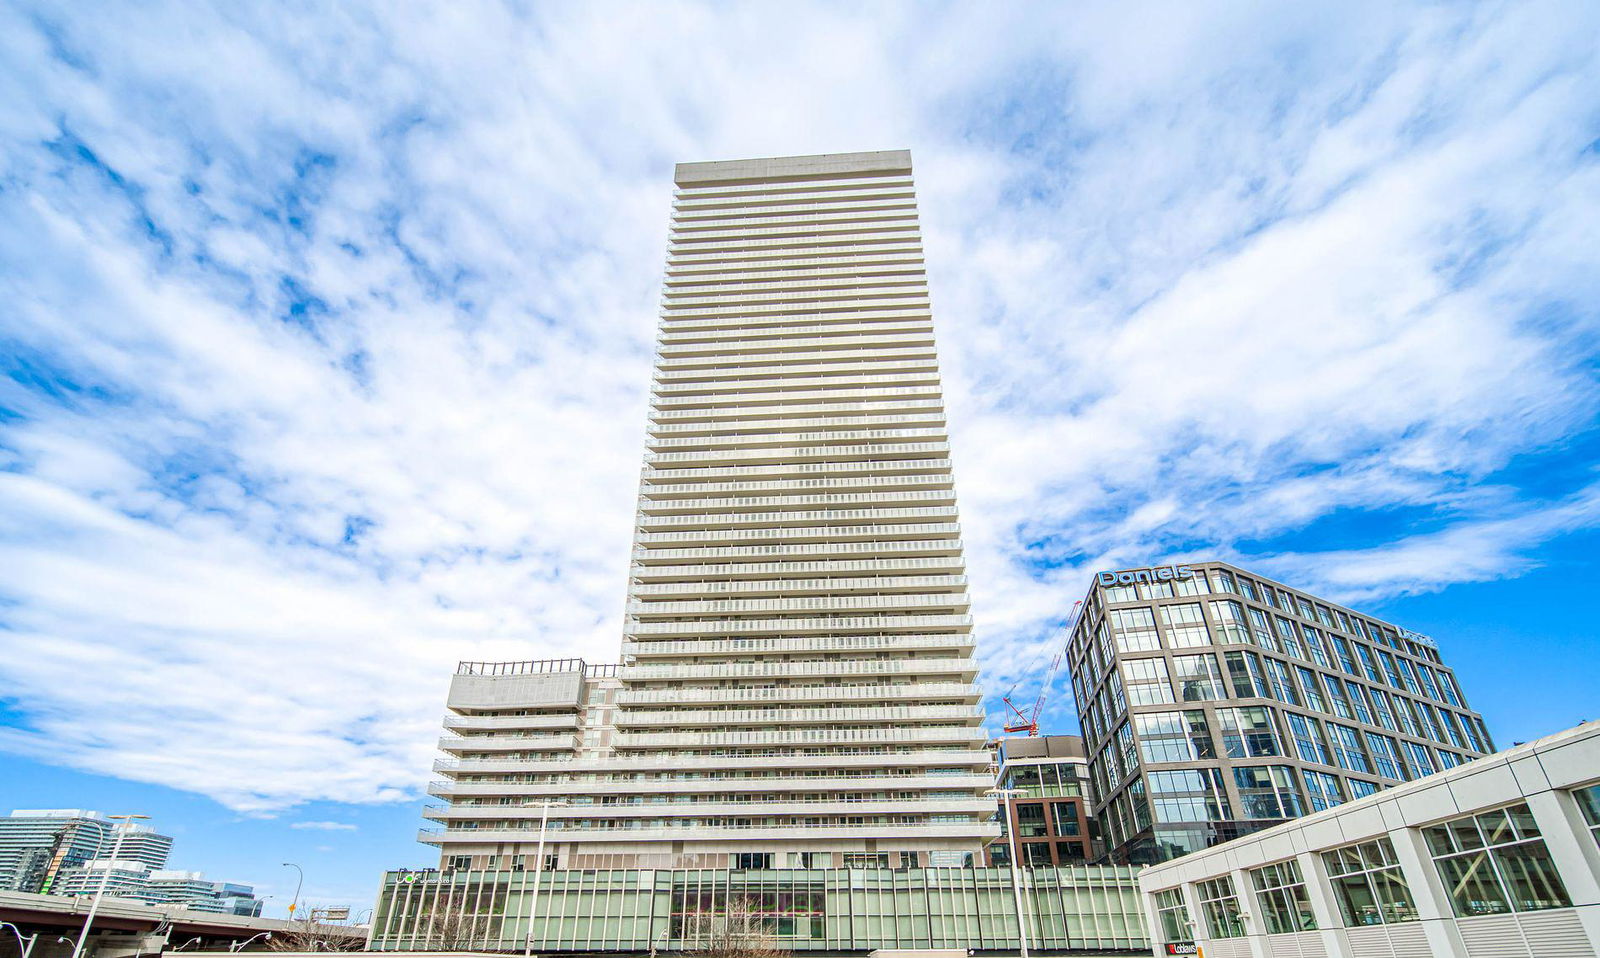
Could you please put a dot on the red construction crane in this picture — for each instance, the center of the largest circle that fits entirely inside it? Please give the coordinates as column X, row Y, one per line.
column 1027, row 720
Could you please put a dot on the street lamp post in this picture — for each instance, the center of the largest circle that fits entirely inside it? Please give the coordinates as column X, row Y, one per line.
column 105, row 876
column 33, row 939
column 1006, row 795
column 538, row 872
column 298, row 882
column 242, row 945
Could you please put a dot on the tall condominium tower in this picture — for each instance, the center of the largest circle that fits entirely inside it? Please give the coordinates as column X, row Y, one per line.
column 1216, row 703
column 796, row 686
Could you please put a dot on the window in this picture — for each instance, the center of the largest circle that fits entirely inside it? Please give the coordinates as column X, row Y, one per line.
column 1360, row 789
column 1173, row 915
column 1249, row 589
column 1222, row 581
column 1421, row 759
column 1189, row 795
column 1194, row 585
column 1308, row 685
column 1231, row 626
column 1247, row 732
column 1384, row 756
column 1496, row 862
column 1267, row 792
column 1347, row 748
column 1589, row 801
column 1262, row 631
column 1220, row 908
column 761, row 860
column 1197, row 678
column 1065, row 815
column 1174, row 736
column 1322, row 789
column 1244, row 671
column 1186, row 626
column 1368, row 884
column 1036, row 855
column 1136, row 630
column 1145, row 681
column 1030, row 820
column 1337, row 696
column 1290, row 637
column 1308, row 740
column 1282, row 685
column 1285, row 906
column 866, row 859
column 1155, row 590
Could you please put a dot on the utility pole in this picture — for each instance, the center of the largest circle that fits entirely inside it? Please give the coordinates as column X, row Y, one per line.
column 538, row 875
column 1016, row 880
column 105, row 877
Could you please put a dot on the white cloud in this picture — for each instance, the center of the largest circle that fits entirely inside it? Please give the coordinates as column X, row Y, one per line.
column 324, row 827
column 341, row 376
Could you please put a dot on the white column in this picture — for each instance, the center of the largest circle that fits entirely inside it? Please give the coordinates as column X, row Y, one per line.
column 1255, row 926
column 1575, row 853
column 1427, row 889
column 1324, row 907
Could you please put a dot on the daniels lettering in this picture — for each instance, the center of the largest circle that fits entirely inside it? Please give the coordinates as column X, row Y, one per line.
column 1165, row 573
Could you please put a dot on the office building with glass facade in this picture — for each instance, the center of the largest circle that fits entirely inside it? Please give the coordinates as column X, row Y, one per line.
column 1498, row 858
column 1046, row 781
column 796, row 686
column 1215, row 702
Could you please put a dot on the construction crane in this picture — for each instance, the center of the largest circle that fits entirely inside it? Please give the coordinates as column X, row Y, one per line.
column 1027, row 720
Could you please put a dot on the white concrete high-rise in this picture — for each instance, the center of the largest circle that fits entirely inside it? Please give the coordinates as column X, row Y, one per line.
column 797, row 677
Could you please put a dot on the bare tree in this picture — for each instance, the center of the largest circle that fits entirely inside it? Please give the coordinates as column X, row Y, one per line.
column 305, row 936
column 742, row 932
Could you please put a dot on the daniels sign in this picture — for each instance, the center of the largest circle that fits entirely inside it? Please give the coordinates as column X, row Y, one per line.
column 1164, row 573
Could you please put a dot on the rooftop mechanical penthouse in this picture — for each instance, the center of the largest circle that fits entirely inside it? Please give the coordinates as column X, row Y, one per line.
column 1215, row 702
column 796, row 684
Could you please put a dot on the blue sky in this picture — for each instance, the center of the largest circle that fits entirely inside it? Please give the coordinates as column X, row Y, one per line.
column 327, row 333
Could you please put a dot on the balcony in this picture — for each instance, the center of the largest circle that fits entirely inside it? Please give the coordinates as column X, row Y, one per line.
column 916, row 497
column 645, row 542
column 861, row 318
column 644, row 652
column 833, row 667
column 872, row 585
column 576, row 816
column 566, row 720
column 889, row 714
column 776, row 758
column 934, row 476
column 778, row 336
column 785, row 446
column 602, row 784
column 694, row 832
column 791, row 242
column 676, row 354
column 888, row 734
column 507, row 743
column 920, row 691
column 672, row 434
column 886, row 399
column 800, row 625
column 808, row 385
column 884, row 547
column 786, row 363
column 953, row 601
column 887, row 514
column 862, row 451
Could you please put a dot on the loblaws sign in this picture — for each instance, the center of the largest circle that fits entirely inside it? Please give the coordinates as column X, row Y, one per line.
column 1165, row 573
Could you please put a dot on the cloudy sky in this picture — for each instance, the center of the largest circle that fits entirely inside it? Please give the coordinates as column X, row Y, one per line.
column 327, row 332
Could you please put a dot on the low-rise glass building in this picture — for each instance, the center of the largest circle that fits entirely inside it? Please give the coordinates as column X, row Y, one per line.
column 1215, row 702
column 1499, row 858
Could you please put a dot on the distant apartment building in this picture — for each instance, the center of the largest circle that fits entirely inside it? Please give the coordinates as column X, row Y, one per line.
column 136, row 880
column 796, row 686
column 67, row 851
column 1215, row 702
column 1048, row 809
column 39, row 846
